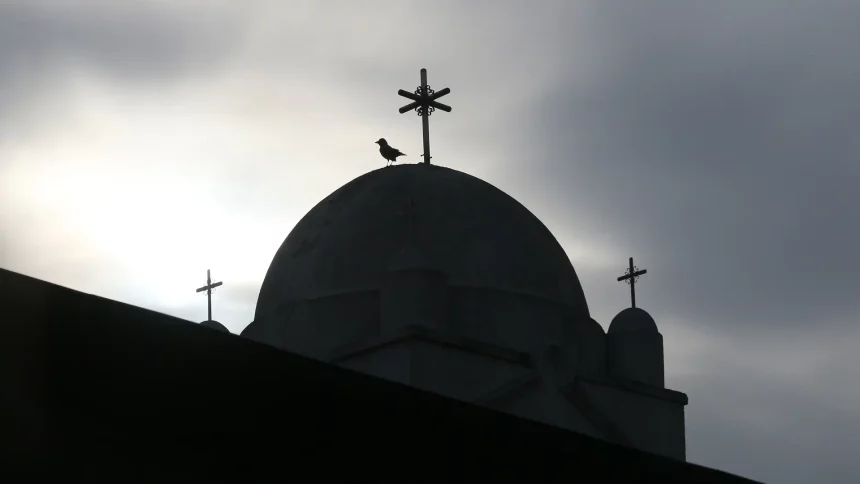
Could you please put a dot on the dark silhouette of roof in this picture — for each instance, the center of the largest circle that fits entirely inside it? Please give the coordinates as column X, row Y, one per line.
column 101, row 389
column 471, row 231
column 214, row 325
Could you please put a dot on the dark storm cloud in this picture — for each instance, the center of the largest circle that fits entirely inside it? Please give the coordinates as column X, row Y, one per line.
column 42, row 43
column 720, row 141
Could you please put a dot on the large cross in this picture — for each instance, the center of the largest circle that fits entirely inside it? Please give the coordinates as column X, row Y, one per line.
column 208, row 288
column 631, row 276
column 424, row 102
column 409, row 213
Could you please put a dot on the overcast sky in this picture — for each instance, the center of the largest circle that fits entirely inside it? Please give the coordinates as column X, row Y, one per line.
column 718, row 143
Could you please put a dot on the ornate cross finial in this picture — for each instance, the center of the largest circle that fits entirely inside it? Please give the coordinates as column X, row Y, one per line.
column 425, row 103
column 208, row 288
column 409, row 213
column 631, row 276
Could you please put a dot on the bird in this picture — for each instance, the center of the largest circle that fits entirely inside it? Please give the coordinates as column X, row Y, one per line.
column 388, row 152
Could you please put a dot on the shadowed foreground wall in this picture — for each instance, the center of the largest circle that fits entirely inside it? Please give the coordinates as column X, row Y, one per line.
column 93, row 388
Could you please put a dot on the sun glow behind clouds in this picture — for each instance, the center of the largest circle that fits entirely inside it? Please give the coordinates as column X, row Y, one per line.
column 140, row 184
column 161, row 182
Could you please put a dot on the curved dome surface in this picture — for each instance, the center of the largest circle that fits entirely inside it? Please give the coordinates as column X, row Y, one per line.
column 214, row 325
column 474, row 233
column 632, row 319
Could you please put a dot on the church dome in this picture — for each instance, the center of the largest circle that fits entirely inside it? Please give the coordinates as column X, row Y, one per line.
column 408, row 258
column 632, row 319
column 464, row 228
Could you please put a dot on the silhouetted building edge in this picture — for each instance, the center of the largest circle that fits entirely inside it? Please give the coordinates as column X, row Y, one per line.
column 105, row 389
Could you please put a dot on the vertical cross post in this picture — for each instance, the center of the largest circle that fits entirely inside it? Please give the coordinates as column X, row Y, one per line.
column 425, row 120
column 208, row 288
column 631, row 276
column 424, row 102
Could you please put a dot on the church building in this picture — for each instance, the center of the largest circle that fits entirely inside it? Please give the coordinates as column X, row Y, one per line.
column 433, row 278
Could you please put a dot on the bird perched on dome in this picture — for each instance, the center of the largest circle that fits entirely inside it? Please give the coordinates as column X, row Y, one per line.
column 388, row 152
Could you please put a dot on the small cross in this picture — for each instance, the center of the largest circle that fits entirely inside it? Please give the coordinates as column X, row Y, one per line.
column 409, row 213
column 424, row 102
column 631, row 276
column 208, row 288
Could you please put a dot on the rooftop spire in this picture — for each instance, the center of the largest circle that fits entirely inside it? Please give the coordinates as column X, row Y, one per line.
column 208, row 288
column 425, row 103
column 631, row 276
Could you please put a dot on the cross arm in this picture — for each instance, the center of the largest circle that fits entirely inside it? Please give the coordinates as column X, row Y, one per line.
column 438, row 94
column 438, row 105
column 210, row 286
column 409, row 95
column 409, row 107
column 632, row 275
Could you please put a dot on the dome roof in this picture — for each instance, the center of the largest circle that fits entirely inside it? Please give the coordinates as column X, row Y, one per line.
column 632, row 319
column 214, row 325
column 461, row 226
column 408, row 258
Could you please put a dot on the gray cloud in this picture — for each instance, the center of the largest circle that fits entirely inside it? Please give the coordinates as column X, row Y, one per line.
column 719, row 144
column 43, row 44
column 757, row 428
column 136, row 41
column 715, row 143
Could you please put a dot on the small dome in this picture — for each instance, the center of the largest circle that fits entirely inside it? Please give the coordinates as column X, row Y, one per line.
column 214, row 325
column 632, row 319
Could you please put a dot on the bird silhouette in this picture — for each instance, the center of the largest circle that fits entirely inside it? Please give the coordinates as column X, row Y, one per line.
column 388, row 152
